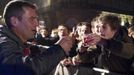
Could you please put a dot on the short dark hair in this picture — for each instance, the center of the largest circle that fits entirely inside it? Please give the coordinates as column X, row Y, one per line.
column 15, row 8
column 112, row 20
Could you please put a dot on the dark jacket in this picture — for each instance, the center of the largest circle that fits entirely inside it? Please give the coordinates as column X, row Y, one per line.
column 116, row 54
column 11, row 53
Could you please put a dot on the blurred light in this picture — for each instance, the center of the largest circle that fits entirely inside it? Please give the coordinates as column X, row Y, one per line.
column 46, row 3
column 0, row 16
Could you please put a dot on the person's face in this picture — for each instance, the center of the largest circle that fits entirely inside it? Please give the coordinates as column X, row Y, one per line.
column 85, row 30
column 62, row 31
column 27, row 25
column 96, row 28
column 44, row 32
column 79, row 30
column 106, row 31
column 131, row 34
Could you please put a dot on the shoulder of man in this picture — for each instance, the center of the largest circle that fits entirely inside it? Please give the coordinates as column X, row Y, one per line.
column 7, row 38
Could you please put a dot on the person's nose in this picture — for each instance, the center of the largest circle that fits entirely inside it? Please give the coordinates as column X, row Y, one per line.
column 36, row 23
column 101, row 30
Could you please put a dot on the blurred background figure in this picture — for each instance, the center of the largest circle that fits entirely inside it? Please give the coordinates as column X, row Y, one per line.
column 131, row 31
column 54, row 32
column 62, row 31
column 95, row 26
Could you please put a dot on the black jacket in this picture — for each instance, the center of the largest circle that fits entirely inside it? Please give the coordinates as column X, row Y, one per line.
column 116, row 54
column 11, row 53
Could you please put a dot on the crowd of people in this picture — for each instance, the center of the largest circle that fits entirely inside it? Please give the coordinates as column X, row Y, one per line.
column 99, row 47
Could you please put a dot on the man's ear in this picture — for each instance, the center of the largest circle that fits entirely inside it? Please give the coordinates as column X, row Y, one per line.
column 14, row 21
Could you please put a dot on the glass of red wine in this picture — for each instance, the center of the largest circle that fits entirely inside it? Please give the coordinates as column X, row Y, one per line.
column 87, row 39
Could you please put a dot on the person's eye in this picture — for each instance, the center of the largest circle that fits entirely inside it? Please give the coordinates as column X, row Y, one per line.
column 97, row 26
column 104, row 27
column 33, row 18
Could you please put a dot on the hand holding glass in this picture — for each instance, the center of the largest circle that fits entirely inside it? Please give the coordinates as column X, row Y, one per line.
column 87, row 40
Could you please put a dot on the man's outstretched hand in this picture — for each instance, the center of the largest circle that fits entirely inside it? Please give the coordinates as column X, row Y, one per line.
column 66, row 43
